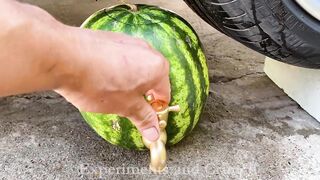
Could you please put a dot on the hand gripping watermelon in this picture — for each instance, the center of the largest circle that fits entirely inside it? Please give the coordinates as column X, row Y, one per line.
column 177, row 41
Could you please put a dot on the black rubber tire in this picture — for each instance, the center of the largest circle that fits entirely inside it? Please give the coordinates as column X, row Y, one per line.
column 280, row 29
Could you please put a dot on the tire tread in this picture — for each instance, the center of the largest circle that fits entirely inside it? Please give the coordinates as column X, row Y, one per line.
column 266, row 26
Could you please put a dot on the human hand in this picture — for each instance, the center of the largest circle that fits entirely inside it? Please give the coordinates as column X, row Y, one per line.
column 101, row 72
column 111, row 73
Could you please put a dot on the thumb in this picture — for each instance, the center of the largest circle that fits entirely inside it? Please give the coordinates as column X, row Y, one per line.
column 146, row 120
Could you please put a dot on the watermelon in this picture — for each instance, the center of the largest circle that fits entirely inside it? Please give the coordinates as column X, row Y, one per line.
column 171, row 35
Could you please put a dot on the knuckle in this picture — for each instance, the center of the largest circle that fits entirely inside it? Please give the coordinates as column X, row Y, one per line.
column 137, row 107
column 160, row 62
column 147, row 120
column 163, row 67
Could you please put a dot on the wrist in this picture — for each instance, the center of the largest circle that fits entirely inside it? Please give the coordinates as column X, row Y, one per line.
column 49, row 52
column 28, row 45
column 65, row 65
column 50, row 44
column 35, row 49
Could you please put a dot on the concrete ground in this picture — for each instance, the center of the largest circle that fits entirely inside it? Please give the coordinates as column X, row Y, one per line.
column 250, row 129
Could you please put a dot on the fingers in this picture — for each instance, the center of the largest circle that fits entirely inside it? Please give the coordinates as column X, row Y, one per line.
column 146, row 120
column 160, row 86
column 161, row 90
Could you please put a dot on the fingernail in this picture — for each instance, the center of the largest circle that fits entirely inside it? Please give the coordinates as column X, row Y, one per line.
column 151, row 134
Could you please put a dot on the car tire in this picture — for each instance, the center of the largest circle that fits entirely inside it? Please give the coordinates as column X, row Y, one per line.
column 280, row 29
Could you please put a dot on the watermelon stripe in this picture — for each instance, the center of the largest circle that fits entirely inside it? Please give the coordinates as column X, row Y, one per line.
column 120, row 25
column 193, row 57
column 147, row 21
column 197, row 74
column 93, row 18
column 189, row 67
column 202, row 60
column 98, row 23
column 173, row 29
column 156, row 12
column 186, row 28
column 125, row 136
column 182, row 24
column 204, row 65
column 127, row 28
column 118, row 17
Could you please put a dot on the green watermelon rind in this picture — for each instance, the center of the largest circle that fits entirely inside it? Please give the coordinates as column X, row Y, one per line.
column 187, row 60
